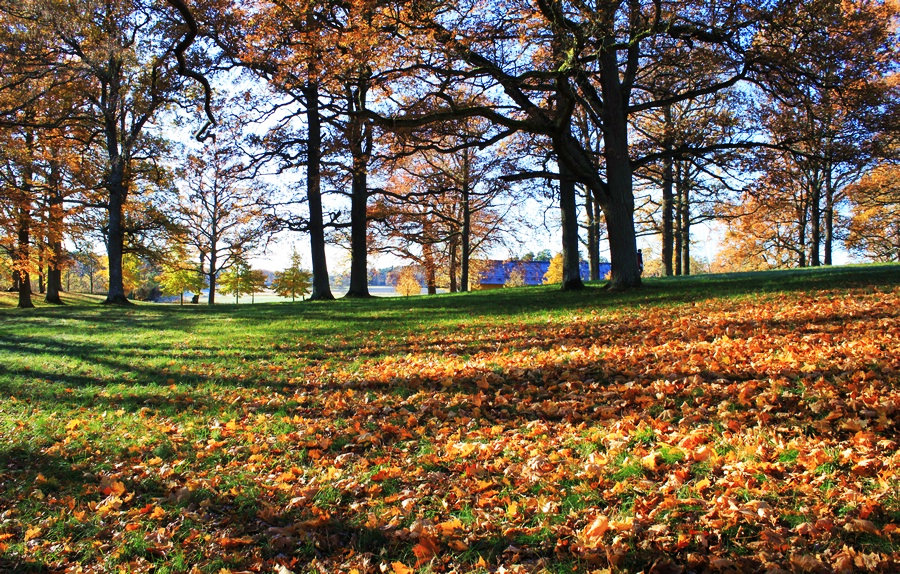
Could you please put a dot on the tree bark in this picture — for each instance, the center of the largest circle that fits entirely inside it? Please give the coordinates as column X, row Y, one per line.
column 679, row 206
column 829, row 213
column 359, row 273
column 211, row 297
column 54, row 236
column 801, row 233
column 466, row 238
column 115, row 241
column 359, row 140
column 815, row 218
column 567, row 203
column 23, row 255
column 619, row 210
column 668, row 210
column 22, row 258
column 428, row 263
column 593, row 232
column 321, row 288
column 684, row 220
column 454, row 258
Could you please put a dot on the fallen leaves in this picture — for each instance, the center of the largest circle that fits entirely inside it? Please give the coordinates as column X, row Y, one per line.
column 713, row 436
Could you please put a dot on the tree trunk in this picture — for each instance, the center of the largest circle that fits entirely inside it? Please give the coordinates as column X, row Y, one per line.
column 54, row 235
column 684, row 221
column 567, row 204
column 115, row 237
column 359, row 141
column 593, row 239
column 321, row 288
column 668, row 208
column 829, row 213
column 619, row 213
column 54, row 276
column 454, row 257
column 23, row 255
column 359, row 273
column 22, row 259
column 466, row 225
column 801, row 234
column 619, row 210
column 428, row 261
column 211, row 277
column 815, row 219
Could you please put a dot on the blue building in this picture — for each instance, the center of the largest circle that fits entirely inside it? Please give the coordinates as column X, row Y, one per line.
column 496, row 272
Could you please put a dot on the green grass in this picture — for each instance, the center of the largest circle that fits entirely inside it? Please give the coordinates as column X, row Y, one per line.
column 167, row 437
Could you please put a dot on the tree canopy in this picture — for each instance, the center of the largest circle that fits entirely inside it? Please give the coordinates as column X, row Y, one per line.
column 419, row 128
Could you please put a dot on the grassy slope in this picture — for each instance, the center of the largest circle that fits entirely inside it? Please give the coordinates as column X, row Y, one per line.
column 748, row 418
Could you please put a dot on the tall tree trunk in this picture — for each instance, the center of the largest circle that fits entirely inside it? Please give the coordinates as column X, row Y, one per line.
column 619, row 210
column 359, row 273
column 430, row 275
column 54, row 276
column 211, row 276
column 359, row 141
column 23, row 254
column 115, row 236
column 801, row 233
column 593, row 230
column 54, row 237
column 321, row 288
column 668, row 209
column 829, row 213
column 116, row 187
column 466, row 237
column 567, row 203
column 815, row 219
column 22, row 259
column 454, row 262
column 684, row 220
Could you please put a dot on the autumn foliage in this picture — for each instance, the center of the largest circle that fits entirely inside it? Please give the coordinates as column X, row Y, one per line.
column 677, row 432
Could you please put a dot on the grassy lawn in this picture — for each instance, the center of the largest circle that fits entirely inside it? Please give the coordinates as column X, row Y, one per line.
column 736, row 422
